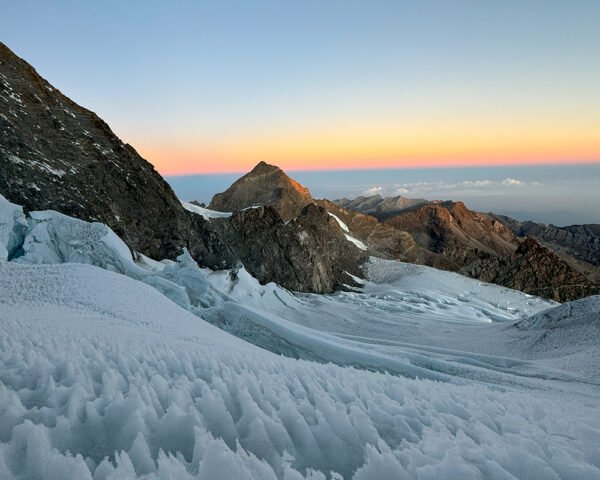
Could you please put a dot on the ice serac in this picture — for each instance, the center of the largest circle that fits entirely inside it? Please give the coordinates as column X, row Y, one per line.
column 264, row 185
column 12, row 228
column 55, row 154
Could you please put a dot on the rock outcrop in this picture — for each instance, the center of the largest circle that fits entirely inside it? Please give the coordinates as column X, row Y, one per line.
column 383, row 240
column 264, row 185
column 579, row 241
column 55, row 154
column 537, row 270
column 309, row 253
column 452, row 230
column 484, row 247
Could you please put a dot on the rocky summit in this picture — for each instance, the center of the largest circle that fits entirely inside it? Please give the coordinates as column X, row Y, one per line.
column 264, row 185
column 55, row 154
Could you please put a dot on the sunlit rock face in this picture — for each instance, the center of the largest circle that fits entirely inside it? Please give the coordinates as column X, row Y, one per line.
column 264, row 185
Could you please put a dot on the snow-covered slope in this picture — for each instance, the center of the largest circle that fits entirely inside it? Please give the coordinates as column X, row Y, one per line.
column 567, row 336
column 102, row 377
column 120, row 372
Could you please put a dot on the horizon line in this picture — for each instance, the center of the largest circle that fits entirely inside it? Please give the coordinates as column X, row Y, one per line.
column 548, row 163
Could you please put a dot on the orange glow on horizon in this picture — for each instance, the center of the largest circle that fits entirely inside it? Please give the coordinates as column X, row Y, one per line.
column 378, row 147
column 211, row 167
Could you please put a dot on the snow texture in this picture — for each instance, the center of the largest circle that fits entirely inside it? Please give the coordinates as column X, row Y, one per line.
column 119, row 372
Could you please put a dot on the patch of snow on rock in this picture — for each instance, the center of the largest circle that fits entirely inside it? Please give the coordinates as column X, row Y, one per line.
column 205, row 212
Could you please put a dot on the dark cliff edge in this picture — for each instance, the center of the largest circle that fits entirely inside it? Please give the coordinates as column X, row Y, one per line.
column 55, row 154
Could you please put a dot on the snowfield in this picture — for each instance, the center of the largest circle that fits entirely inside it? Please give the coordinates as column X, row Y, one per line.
column 115, row 369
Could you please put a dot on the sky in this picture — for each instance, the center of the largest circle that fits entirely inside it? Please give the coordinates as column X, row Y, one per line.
column 215, row 87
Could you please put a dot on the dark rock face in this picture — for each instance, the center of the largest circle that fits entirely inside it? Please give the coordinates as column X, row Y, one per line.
column 579, row 241
column 57, row 155
column 379, row 206
column 309, row 254
column 264, row 185
column 537, row 270
column 267, row 185
column 380, row 238
column 384, row 240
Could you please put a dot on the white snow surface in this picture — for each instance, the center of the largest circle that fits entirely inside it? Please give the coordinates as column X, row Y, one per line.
column 346, row 230
column 355, row 241
column 205, row 212
column 120, row 372
column 342, row 225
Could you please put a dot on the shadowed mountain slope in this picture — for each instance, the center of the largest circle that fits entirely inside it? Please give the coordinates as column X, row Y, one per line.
column 579, row 241
column 55, row 154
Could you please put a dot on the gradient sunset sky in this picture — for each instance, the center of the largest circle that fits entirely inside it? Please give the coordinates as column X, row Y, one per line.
column 203, row 87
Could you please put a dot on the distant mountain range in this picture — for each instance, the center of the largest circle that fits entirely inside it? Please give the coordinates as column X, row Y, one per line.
column 552, row 262
column 57, row 155
column 379, row 206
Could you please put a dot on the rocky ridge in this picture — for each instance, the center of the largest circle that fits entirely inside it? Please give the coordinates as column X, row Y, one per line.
column 55, row 154
column 488, row 247
column 579, row 241
column 537, row 270
column 455, row 232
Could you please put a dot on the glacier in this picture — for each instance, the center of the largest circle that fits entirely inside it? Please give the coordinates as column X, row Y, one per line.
column 116, row 366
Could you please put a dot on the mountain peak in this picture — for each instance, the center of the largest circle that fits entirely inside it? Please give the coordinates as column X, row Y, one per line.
column 264, row 167
column 265, row 184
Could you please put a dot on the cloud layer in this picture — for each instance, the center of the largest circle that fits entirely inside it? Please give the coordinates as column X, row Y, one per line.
column 445, row 188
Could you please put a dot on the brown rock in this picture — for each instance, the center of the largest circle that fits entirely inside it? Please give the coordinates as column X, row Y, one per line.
column 264, row 185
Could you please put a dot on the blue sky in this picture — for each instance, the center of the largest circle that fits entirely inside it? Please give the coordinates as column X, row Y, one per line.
column 342, row 87
column 201, row 86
